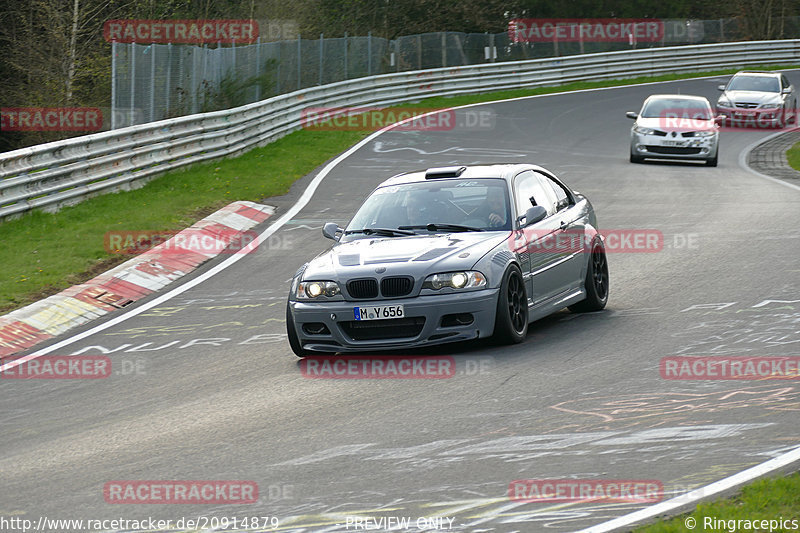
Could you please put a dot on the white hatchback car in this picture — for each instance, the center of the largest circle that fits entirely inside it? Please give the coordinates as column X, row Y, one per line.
column 675, row 126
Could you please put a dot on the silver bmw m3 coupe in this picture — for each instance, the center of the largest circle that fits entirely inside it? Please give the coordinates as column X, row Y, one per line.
column 450, row 254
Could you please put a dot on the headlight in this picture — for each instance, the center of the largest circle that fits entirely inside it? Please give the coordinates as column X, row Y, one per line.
column 308, row 290
column 643, row 131
column 770, row 106
column 724, row 102
column 704, row 133
column 469, row 279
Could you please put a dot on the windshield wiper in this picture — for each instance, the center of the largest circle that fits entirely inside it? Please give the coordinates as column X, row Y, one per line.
column 386, row 232
column 437, row 227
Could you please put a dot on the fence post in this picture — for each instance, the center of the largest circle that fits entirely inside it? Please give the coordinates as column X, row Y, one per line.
column 321, row 56
column 258, row 69
column 205, row 63
column 298, row 62
column 397, row 53
column 278, row 68
column 369, row 53
column 444, row 49
column 113, row 84
column 132, row 63
column 152, row 81
column 345, row 55
column 167, row 82
column 419, row 51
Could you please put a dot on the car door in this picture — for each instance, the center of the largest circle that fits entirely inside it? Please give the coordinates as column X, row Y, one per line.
column 572, row 225
column 541, row 239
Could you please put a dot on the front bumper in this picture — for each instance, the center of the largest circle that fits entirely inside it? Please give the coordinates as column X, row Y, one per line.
column 678, row 147
column 757, row 118
column 341, row 337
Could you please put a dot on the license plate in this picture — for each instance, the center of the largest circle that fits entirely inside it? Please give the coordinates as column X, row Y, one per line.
column 673, row 143
column 378, row 312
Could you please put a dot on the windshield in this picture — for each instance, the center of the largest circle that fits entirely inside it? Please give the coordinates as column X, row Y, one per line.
column 474, row 204
column 677, row 108
column 754, row 83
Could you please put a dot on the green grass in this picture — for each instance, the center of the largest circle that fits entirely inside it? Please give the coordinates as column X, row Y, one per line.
column 766, row 499
column 793, row 155
column 43, row 253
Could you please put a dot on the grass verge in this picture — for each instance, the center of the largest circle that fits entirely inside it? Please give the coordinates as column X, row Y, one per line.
column 793, row 155
column 767, row 499
column 43, row 253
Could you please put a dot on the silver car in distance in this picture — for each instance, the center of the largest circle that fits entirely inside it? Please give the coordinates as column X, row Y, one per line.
column 450, row 254
column 758, row 99
column 674, row 126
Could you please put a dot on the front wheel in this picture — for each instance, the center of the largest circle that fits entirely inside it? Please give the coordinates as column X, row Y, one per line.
column 596, row 282
column 636, row 159
column 294, row 341
column 712, row 162
column 511, row 318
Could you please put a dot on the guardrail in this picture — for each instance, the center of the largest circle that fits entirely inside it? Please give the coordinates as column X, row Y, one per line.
column 68, row 171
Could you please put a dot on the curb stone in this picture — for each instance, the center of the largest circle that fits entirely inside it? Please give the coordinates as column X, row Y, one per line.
column 769, row 157
column 124, row 284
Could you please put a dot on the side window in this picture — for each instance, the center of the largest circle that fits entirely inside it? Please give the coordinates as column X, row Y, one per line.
column 548, row 196
column 529, row 190
column 562, row 199
column 524, row 184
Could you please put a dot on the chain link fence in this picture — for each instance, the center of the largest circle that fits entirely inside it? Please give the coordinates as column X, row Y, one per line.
column 158, row 81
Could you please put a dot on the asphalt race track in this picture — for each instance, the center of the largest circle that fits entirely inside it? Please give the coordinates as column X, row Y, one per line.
column 205, row 387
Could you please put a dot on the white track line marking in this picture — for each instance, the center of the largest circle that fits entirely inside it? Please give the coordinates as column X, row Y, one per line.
column 722, row 485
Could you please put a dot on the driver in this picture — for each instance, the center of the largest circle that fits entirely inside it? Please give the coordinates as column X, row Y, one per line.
column 417, row 209
column 496, row 207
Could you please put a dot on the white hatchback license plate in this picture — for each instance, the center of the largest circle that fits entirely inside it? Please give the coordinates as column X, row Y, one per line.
column 378, row 312
column 673, row 143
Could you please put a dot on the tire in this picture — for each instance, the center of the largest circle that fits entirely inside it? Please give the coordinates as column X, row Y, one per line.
column 712, row 162
column 294, row 342
column 636, row 159
column 596, row 282
column 511, row 317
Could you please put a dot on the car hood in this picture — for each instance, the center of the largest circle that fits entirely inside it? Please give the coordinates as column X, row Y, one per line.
column 668, row 124
column 756, row 97
column 416, row 255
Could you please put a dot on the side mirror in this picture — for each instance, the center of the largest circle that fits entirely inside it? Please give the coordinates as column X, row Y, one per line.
column 721, row 87
column 330, row 230
column 534, row 214
column 787, row 90
column 719, row 119
column 631, row 114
